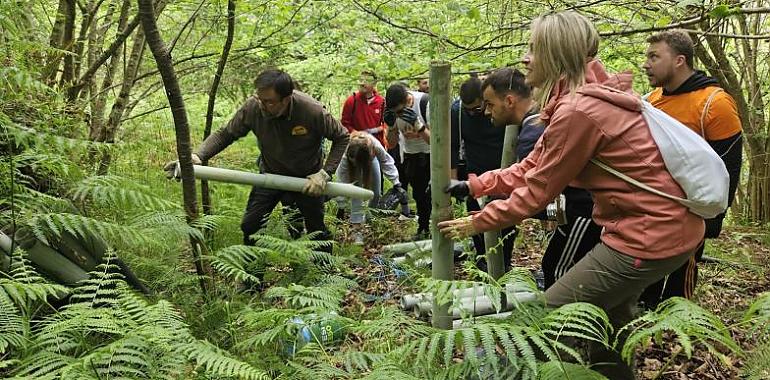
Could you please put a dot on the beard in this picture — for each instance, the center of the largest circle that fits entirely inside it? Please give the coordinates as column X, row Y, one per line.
column 499, row 122
column 660, row 80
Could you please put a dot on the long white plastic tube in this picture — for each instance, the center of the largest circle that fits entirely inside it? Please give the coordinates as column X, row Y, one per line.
column 278, row 182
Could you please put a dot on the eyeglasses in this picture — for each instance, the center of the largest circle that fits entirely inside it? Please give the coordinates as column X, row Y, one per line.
column 270, row 102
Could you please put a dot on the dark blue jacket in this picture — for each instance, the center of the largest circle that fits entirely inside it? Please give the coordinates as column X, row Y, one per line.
column 483, row 141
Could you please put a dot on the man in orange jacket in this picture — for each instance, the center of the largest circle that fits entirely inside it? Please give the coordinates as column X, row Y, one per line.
column 698, row 102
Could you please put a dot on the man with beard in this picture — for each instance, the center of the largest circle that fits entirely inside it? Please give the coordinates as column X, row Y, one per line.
column 698, row 102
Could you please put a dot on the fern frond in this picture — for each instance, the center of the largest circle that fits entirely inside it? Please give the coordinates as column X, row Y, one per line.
column 13, row 331
column 389, row 370
column 759, row 312
column 25, row 286
column 299, row 297
column 578, row 320
column 103, row 286
column 271, row 326
column 555, row 370
column 390, row 324
column 688, row 321
column 757, row 364
column 217, row 362
column 149, row 230
column 120, row 192
column 42, row 365
column 232, row 261
column 47, row 225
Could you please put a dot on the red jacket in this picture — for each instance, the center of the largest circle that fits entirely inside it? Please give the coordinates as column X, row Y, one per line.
column 603, row 120
column 360, row 115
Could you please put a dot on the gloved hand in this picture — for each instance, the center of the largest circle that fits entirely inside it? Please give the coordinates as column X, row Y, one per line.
column 397, row 187
column 316, row 183
column 374, row 131
column 389, row 117
column 408, row 115
column 173, row 170
column 458, row 229
column 458, row 189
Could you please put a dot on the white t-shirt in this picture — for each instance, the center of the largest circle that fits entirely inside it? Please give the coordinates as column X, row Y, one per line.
column 417, row 144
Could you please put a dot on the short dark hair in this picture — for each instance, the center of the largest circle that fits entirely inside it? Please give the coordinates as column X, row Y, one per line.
column 279, row 80
column 470, row 90
column 678, row 41
column 506, row 81
column 369, row 74
column 396, row 94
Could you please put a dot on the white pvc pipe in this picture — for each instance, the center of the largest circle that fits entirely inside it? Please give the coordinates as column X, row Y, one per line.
column 460, row 323
column 401, row 248
column 408, row 301
column 278, row 182
column 477, row 306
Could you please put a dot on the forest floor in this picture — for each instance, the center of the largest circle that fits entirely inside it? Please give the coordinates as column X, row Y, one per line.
column 725, row 287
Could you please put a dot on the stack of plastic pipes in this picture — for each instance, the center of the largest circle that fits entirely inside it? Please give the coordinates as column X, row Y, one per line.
column 469, row 302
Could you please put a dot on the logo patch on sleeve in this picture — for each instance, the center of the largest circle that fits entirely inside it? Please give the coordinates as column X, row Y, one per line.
column 298, row 131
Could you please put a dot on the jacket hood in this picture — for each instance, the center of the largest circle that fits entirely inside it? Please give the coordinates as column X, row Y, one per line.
column 615, row 89
column 696, row 81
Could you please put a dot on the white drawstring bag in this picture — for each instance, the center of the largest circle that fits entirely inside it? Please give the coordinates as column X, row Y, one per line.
column 691, row 161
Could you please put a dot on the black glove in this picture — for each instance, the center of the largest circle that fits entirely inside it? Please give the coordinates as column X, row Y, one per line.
column 389, row 117
column 458, row 189
column 408, row 115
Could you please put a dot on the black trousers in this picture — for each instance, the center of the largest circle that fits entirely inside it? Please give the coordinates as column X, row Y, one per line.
column 507, row 234
column 262, row 202
column 569, row 243
column 416, row 172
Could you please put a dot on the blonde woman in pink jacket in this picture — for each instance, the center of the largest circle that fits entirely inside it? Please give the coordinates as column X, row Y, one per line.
column 590, row 114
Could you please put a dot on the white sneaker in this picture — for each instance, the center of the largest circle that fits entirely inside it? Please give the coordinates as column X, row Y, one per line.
column 403, row 217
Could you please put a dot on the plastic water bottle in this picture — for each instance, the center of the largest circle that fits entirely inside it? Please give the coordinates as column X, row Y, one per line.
column 324, row 332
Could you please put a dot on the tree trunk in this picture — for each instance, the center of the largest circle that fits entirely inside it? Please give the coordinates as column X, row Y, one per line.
column 67, row 43
column 53, row 60
column 86, row 33
column 746, row 89
column 441, row 246
column 205, row 194
column 99, row 100
column 759, row 188
column 84, row 79
column 181, row 126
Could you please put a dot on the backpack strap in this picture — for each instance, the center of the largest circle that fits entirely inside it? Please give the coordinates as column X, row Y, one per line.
column 461, row 154
column 616, row 173
column 424, row 106
column 705, row 111
column 353, row 111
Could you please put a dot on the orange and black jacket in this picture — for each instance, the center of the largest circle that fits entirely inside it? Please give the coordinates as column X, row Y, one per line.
column 703, row 106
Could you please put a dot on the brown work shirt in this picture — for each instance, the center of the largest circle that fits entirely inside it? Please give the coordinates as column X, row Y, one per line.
column 290, row 144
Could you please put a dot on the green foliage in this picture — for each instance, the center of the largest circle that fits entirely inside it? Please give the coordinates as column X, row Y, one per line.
column 108, row 331
column 757, row 365
column 689, row 322
column 758, row 313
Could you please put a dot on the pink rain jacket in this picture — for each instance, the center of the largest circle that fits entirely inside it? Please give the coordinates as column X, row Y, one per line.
column 601, row 120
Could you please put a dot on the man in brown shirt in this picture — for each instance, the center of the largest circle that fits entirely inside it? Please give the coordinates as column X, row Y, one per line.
column 290, row 127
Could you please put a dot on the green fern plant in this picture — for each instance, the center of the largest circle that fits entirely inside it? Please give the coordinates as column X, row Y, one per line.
column 689, row 322
column 316, row 298
column 110, row 332
column 757, row 365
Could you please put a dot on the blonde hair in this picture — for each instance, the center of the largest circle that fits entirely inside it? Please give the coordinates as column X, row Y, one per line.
column 560, row 44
